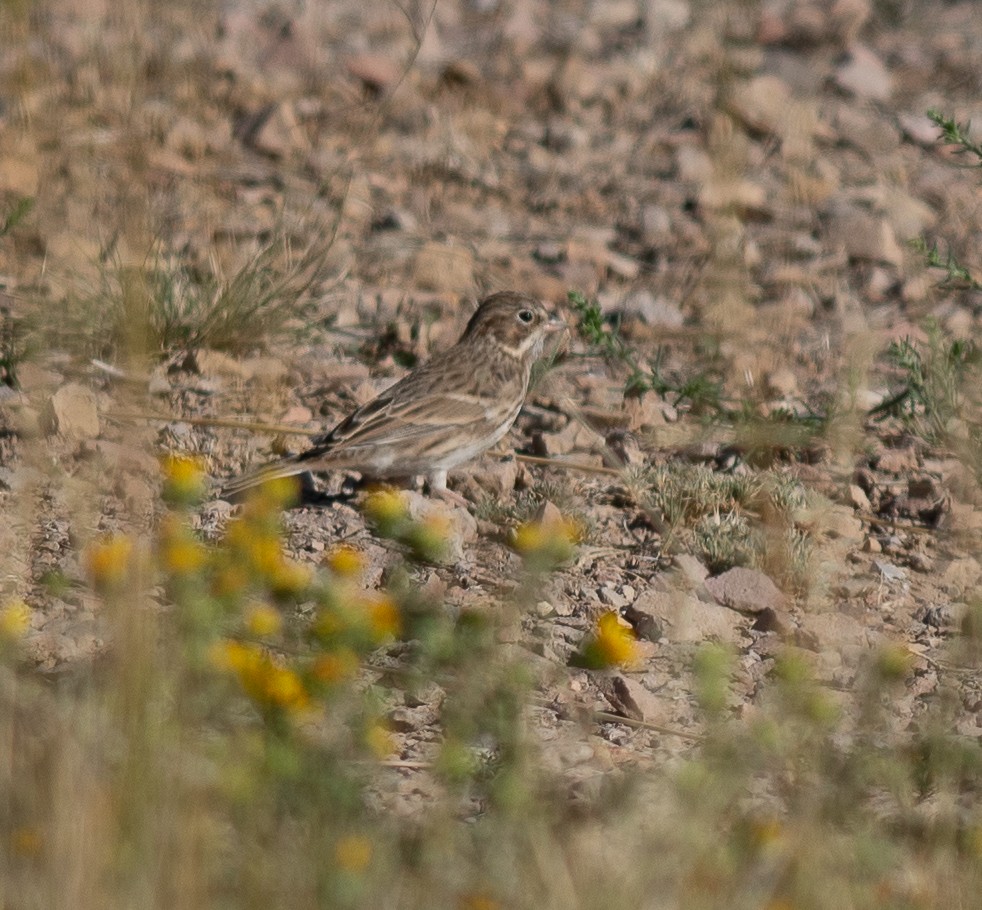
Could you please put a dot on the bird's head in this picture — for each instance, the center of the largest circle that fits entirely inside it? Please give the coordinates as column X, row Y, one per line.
column 515, row 323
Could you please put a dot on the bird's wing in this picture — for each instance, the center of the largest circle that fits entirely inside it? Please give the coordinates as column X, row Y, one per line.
column 413, row 409
column 383, row 424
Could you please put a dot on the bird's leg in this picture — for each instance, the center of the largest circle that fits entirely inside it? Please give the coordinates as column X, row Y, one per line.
column 437, row 482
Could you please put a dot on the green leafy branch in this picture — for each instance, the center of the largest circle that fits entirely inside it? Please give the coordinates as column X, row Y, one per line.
column 700, row 393
column 954, row 133
column 18, row 212
column 956, row 275
column 933, row 378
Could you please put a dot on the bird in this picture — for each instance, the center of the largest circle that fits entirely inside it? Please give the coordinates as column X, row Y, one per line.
column 441, row 414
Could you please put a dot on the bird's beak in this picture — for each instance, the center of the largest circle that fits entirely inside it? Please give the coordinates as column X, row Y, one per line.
column 555, row 324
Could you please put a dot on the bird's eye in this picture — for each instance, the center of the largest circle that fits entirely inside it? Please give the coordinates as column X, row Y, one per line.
column 526, row 316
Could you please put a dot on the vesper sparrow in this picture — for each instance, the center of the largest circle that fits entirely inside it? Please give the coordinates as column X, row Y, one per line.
column 441, row 414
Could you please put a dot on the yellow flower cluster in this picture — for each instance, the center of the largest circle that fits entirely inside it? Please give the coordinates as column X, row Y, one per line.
column 266, row 682
column 345, row 561
column 335, row 666
column 263, row 621
column 230, row 595
column 253, row 549
column 359, row 618
column 387, row 510
column 181, row 554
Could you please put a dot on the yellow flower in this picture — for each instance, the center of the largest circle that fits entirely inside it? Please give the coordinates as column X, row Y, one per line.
column 265, row 553
column 765, row 832
column 345, row 561
column 228, row 654
column 353, row 853
column 230, row 580
column 335, row 666
column 529, row 537
column 478, row 902
column 612, row 644
column 264, row 681
column 184, row 479
column 290, row 577
column 263, row 621
column 184, row 557
column 26, row 841
column 615, row 641
column 547, row 544
column 15, row 619
column 282, row 687
column 429, row 538
column 380, row 741
column 386, row 509
column 272, row 496
column 109, row 562
column 384, row 618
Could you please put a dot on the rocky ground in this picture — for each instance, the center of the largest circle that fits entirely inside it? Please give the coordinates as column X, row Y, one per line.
column 734, row 183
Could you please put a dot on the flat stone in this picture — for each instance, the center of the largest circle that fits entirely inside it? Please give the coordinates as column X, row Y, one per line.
column 746, row 590
column 897, row 461
column 683, row 617
column 762, row 103
column 207, row 362
column 865, row 236
column 374, row 71
column 834, row 631
column 652, row 310
column 863, row 75
column 961, row 575
column 782, row 381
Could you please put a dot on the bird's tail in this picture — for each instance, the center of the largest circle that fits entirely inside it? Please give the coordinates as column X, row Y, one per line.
column 234, row 489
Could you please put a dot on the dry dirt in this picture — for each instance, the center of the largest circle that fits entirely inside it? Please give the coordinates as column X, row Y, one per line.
column 736, row 182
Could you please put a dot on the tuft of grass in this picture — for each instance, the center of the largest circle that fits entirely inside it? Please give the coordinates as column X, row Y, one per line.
column 170, row 306
column 729, row 520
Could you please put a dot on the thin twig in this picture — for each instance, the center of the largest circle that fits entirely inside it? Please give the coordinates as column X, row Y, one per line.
column 254, row 426
column 553, row 463
column 117, row 373
column 607, row 717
